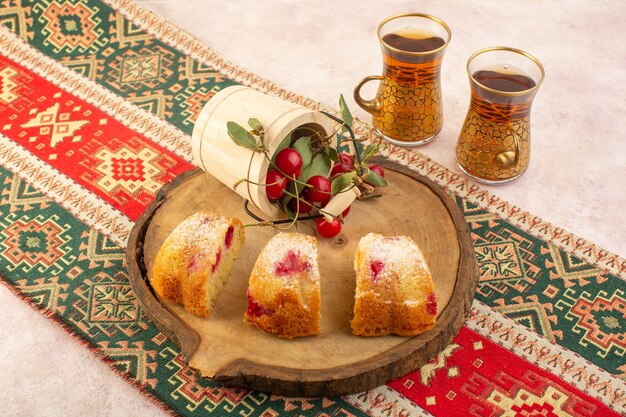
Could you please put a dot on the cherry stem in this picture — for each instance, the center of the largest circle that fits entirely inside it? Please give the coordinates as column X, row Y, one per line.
column 255, row 183
column 316, row 132
column 246, row 208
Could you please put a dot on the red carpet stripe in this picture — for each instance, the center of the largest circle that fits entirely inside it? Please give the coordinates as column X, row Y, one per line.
column 474, row 376
column 116, row 163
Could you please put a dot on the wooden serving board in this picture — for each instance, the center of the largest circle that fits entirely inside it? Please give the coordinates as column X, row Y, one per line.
column 334, row 362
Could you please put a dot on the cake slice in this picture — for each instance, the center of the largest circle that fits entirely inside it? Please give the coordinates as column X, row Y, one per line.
column 195, row 261
column 284, row 287
column 394, row 288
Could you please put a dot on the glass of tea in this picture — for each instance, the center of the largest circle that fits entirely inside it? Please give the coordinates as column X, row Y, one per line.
column 407, row 110
column 494, row 144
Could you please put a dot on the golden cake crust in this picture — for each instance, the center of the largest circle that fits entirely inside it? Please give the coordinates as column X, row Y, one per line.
column 395, row 291
column 286, row 305
column 289, row 317
column 188, row 257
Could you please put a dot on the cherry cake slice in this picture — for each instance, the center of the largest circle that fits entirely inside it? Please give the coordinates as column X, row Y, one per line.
column 192, row 266
column 284, row 287
column 394, row 288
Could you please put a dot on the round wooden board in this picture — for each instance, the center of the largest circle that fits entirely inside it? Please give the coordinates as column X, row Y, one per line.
column 334, row 362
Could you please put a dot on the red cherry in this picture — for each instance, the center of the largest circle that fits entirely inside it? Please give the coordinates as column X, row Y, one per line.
column 326, row 229
column 276, row 184
column 288, row 161
column 320, row 193
column 345, row 158
column 340, row 168
column 377, row 169
column 299, row 206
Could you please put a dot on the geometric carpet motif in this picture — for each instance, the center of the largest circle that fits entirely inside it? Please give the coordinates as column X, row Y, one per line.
column 546, row 289
column 482, row 379
column 140, row 69
column 154, row 102
column 499, row 261
column 20, row 196
column 533, row 315
column 88, row 67
column 15, row 18
column 571, row 270
column 128, row 33
column 57, row 126
column 100, row 250
column 121, row 56
column 8, row 86
column 47, row 293
column 70, row 27
column 198, row 72
column 506, row 263
column 134, row 360
column 601, row 321
column 35, row 245
column 84, row 143
column 192, row 100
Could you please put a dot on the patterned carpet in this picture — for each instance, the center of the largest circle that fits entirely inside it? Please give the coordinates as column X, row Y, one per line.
column 97, row 104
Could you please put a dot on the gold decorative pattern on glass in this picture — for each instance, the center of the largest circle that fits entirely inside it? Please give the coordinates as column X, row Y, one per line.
column 494, row 143
column 410, row 96
column 408, row 109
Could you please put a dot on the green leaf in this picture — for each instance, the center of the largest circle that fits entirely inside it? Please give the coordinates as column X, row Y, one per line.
column 341, row 182
column 292, row 188
column 332, row 153
column 343, row 143
column 320, row 165
column 370, row 151
column 255, row 124
column 284, row 206
column 375, row 179
column 284, row 144
column 303, row 146
column 345, row 113
column 241, row 136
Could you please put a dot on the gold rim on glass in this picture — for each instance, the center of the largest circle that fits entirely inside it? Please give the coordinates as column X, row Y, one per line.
column 509, row 49
column 427, row 16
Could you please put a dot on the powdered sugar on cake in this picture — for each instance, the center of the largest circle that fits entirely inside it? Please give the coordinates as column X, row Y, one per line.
column 284, row 290
column 390, row 254
column 394, row 292
column 195, row 260
column 201, row 227
column 291, row 255
column 200, row 234
column 292, row 263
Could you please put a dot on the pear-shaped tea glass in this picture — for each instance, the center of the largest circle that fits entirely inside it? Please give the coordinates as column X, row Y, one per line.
column 408, row 109
column 494, row 144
